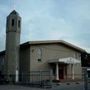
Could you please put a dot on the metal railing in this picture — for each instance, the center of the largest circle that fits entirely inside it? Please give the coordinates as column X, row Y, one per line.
column 36, row 78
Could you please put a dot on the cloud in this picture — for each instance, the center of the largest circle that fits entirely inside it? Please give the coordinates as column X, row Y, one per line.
column 50, row 19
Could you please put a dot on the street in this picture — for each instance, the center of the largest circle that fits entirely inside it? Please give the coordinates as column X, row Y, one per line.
column 61, row 86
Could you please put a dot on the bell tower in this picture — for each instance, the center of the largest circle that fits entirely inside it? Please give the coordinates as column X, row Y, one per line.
column 13, row 30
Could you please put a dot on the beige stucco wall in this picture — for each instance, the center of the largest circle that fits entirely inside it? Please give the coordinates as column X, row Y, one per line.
column 12, row 52
column 53, row 51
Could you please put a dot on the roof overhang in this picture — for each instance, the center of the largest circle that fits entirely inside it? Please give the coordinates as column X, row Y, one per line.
column 45, row 42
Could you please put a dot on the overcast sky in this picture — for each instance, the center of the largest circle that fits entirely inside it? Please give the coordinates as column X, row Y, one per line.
column 67, row 20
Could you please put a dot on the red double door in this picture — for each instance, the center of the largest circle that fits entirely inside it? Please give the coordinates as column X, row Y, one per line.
column 61, row 73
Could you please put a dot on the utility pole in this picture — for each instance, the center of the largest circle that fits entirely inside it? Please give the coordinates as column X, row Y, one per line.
column 85, row 79
column 85, row 74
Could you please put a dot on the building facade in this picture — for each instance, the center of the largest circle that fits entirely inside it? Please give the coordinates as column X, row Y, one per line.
column 61, row 57
column 58, row 56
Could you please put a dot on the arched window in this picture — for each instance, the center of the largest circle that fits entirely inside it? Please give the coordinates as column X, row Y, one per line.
column 12, row 22
column 19, row 23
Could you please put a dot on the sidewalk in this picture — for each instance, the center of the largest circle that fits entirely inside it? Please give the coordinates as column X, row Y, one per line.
column 59, row 86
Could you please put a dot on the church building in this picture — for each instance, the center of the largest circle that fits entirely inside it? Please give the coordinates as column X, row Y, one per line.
column 61, row 57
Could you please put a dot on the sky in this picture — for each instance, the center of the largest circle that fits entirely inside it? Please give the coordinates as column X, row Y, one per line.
column 67, row 20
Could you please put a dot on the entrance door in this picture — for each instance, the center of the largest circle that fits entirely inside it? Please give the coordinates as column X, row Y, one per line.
column 61, row 74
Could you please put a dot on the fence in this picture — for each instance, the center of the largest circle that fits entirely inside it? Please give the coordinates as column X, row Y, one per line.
column 37, row 78
column 44, row 78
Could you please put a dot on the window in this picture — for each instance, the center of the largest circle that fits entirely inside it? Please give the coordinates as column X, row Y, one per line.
column 12, row 22
column 39, row 60
column 39, row 54
column 19, row 24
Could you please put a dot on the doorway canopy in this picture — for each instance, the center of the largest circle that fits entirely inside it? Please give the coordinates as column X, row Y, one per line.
column 68, row 60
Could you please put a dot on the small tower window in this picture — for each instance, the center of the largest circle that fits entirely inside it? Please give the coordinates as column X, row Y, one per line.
column 19, row 23
column 12, row 22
